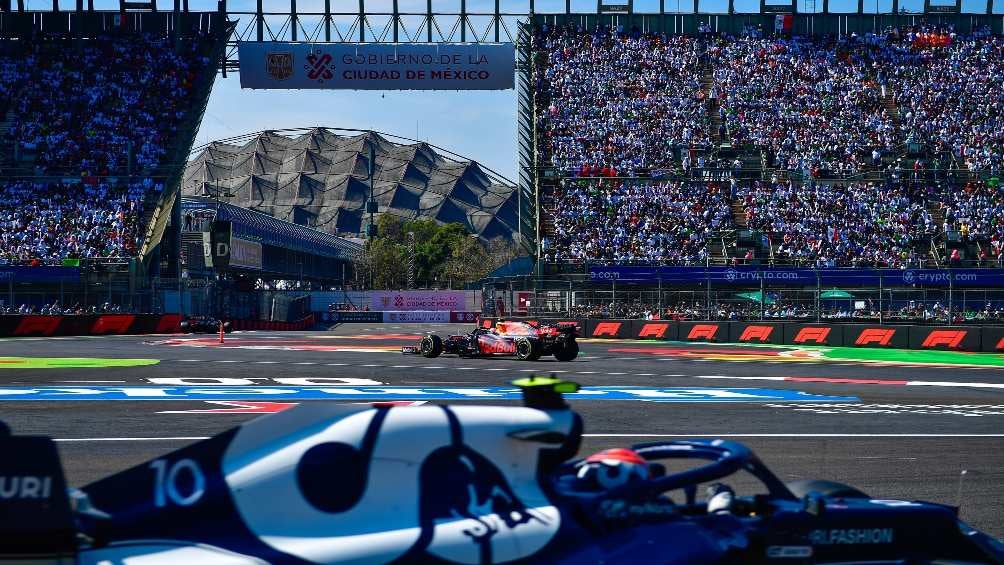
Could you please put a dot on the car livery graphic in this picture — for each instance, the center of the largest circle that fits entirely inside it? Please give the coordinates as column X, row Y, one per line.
column 326, row 483
column 523, row 340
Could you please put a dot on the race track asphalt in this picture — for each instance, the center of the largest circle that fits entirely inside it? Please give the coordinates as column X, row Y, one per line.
column 906, row 432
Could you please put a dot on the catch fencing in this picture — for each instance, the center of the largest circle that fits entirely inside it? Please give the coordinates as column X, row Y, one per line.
column 717, row 296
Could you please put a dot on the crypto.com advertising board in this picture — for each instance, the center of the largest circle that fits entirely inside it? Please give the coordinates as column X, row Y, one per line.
column 350, row 66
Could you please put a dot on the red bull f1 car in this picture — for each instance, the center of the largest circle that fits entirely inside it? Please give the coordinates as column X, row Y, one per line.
column 327, row 483
column 522, row 340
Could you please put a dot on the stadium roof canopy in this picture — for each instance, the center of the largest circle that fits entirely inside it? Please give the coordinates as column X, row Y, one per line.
column 255, row 226
column 318, row 177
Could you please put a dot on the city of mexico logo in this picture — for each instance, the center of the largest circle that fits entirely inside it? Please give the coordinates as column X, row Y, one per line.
column 279, row 65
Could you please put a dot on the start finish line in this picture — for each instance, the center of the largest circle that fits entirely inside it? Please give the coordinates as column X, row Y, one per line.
column 379, row 393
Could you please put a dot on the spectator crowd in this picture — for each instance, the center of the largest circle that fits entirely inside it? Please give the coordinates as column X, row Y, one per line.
column 617, row 102
column 623, row 221
column 92, row 121
column 811, row 103
column 45, row 223
column 857, row 224
column 614, row 103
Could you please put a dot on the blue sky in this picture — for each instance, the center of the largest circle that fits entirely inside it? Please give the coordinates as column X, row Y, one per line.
column 479, row 125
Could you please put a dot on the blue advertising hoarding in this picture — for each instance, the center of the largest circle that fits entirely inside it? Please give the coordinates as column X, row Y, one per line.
column 41, row 274
column 751, row 276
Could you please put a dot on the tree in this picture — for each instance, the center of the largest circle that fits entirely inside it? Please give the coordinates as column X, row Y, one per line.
column 443, row 253
column 386, row 264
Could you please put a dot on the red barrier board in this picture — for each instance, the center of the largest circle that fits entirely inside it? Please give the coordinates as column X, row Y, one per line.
column 113, row 324
column 38, row 325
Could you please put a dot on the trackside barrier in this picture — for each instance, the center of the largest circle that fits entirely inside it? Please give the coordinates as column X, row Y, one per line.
column 304, row 324
column 955, row 338
column 398, row 316
column 88, row 324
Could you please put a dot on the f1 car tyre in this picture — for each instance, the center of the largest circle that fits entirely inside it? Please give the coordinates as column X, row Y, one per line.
column 431, row 346
column 527, row 349
column 825, row 488
column 566, row 351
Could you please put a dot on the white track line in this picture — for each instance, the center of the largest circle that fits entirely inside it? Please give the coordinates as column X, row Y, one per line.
column 81, row 439
column 853, row 381
column 93, row 381
column 974, row 436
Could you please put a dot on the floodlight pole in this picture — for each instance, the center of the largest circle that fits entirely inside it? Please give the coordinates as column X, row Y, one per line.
column 371, row 204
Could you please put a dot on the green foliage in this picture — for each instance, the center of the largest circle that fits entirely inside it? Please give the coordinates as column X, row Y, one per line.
column 444, row 255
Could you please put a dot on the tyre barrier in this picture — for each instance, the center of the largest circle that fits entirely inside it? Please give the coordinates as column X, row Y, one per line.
column 952, row 338
column 88, row 324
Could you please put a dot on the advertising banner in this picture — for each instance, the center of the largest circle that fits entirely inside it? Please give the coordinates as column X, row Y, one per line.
column 953, row 338
column 39, row 274
column 351, row 317
column 245, row 254
column 993, row 339
column 609, row 328
column 704, row 331
column 366, row 66
column 87, row 324
column 756, row 332
column 429, row 300
column 751, row 276
column 896, row 337
column 656, row 329
column 417, row 316
column 814, row 334
column 464, row 317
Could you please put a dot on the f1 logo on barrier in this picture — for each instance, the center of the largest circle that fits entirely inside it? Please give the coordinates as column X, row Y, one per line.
column 45, row 325
column 756, row 333
column 116, row 324
column 1000, row 345
column 657, row 330
column 609, row 329
column 703, row 331
column 815, row 335
column 877, row 336
column 949, row 338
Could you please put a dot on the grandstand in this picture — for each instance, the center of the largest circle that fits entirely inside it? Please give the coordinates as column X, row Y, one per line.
column 873, row 149
column 319, row 177
column 93, row 120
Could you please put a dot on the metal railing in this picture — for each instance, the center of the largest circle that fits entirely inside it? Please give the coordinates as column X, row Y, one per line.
column 894, row 304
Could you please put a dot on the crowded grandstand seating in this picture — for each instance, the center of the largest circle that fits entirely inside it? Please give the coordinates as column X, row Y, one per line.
column 616, row 102
column 90, row 129
column 976, row 213
column 903, row 108
column 856, row 224
column 624, row 221
column 948, row 93
column 45, row 223
column 95, row 103
column 810, row 102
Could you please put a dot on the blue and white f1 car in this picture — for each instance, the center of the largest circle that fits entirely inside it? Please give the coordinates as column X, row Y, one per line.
column 324, row 483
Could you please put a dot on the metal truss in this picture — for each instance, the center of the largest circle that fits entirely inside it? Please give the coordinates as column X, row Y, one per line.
column 362, row 26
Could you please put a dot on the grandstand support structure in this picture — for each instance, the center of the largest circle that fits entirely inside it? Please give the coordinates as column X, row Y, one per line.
column 526, row 134
column 334, row 22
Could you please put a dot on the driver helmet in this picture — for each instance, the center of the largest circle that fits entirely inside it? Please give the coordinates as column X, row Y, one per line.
column 611, row 468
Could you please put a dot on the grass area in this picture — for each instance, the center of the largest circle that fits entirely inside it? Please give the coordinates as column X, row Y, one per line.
column 70, row 362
